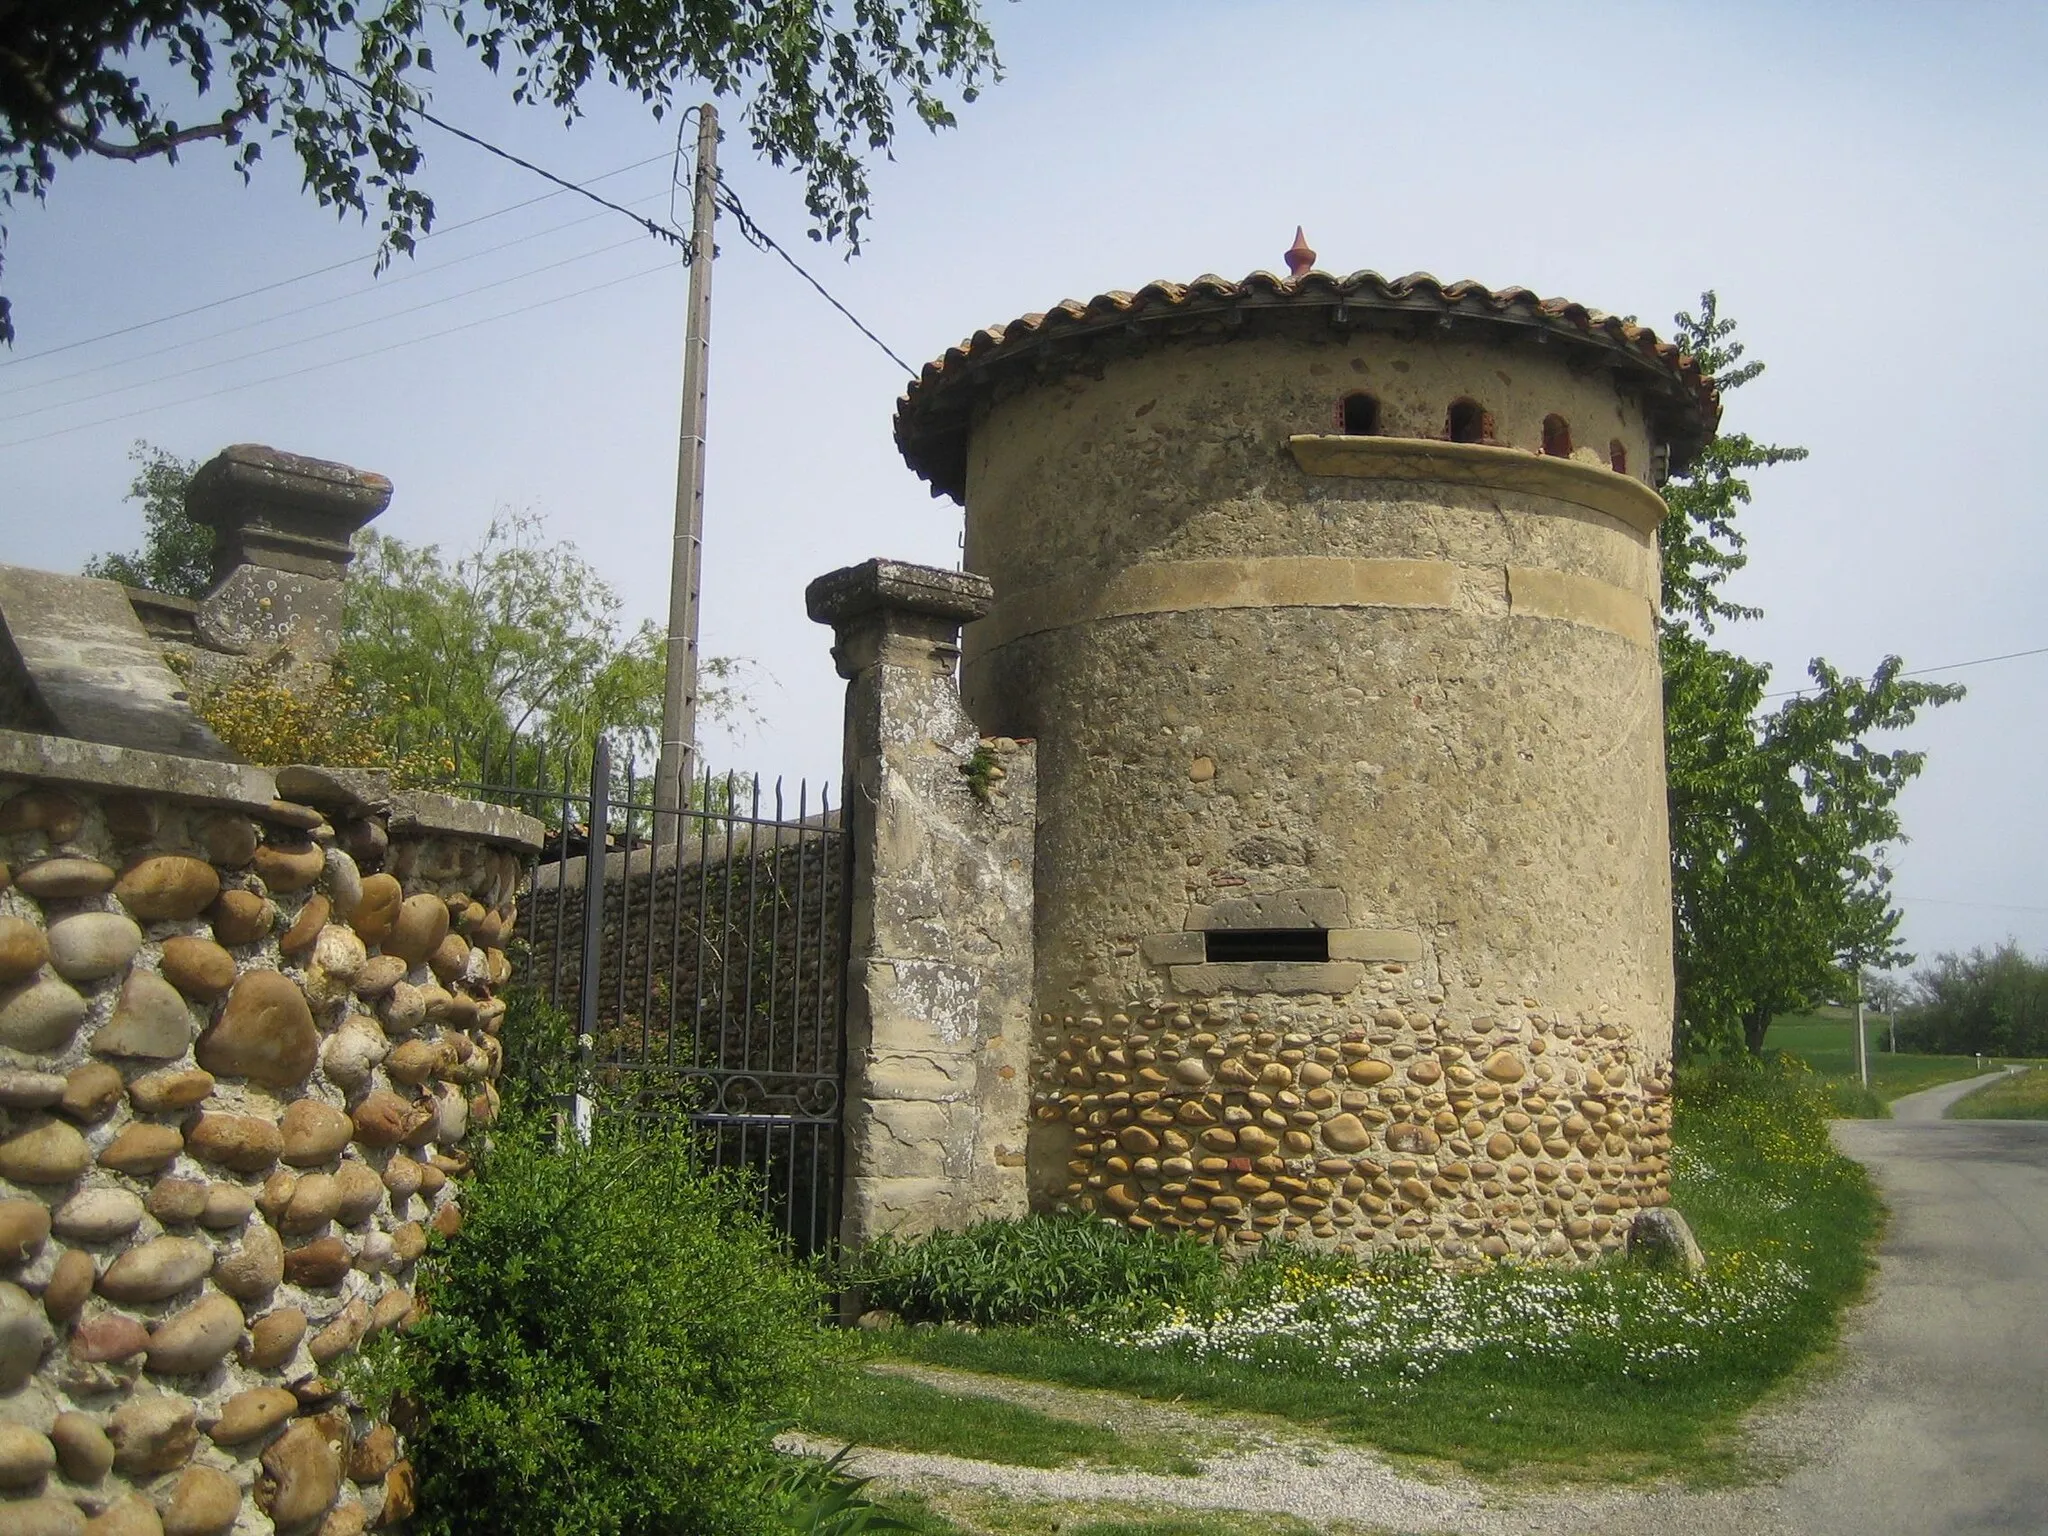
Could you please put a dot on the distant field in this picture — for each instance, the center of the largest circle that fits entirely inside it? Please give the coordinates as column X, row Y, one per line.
column 2023, row 1096
column 1828, row 1045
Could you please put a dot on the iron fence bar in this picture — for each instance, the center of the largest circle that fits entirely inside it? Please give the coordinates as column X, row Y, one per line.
column 625, row 921
column 753, row 914
column 818, row 1014
column 703, row 916
column 647, row 948
column 836, row 1032
column 773, row 1017
column 768, row 1093
column 725, row 933
column 796, row 975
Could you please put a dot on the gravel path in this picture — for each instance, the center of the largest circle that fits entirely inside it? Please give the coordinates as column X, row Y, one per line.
column 1248, row 1463
column 1933, row 1418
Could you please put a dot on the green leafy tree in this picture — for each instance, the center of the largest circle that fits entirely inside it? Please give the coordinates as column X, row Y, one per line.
column 345, row 83
column 515, row 648
column 177, row 553
column 1781, row 818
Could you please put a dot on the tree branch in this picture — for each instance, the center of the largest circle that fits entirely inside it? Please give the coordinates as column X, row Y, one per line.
column 228, row 128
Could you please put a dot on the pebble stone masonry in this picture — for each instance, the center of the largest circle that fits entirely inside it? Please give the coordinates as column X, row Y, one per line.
column 248, row 1021
column 1330, row 604
column 242, row 1040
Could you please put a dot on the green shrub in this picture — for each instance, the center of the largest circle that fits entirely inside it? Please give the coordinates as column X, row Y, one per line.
column 1853, row 1101
column 612, row 1341
column 999, row 1273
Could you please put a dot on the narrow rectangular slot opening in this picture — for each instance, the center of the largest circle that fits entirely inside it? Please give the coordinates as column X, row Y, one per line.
column 1308, row 945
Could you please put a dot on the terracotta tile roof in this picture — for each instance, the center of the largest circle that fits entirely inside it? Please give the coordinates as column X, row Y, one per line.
column 933, row 416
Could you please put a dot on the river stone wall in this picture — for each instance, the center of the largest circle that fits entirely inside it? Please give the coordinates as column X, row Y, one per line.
column 242, row 1043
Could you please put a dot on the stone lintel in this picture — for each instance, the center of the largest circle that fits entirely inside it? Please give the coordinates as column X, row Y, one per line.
column 1314, row 907
column 98, row 766
column 281, row 510
column 1375, row 944
column 416, row 812
column 1247, row 978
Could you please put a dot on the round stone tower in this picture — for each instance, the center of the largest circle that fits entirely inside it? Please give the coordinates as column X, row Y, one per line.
column 1331, row 604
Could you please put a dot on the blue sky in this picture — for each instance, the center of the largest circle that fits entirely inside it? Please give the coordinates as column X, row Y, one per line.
column 1863, row 186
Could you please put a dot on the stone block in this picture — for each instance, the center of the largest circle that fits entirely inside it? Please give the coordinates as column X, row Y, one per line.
column 1185, row 948
column 1250, row 978
column 1311, row 908
column 919, row 1076
column 1370, row 945
column 921, row 1003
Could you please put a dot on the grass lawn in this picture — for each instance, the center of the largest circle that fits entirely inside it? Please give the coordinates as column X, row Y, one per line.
column 891, row 1412
column 2022, row 1096
column 1828, row 1045
column 1614, row 1372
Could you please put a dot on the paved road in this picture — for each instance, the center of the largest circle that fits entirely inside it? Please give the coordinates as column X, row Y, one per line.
column 1951, row 1384
column 1937, row 1421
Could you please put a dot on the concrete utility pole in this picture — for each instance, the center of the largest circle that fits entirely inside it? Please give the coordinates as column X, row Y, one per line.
column 1862, row 1035
column 679, row 690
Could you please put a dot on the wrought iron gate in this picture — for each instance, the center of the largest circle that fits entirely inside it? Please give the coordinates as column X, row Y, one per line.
column 707, row 974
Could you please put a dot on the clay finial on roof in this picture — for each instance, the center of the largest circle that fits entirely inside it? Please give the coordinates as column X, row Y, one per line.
column 1299, row 257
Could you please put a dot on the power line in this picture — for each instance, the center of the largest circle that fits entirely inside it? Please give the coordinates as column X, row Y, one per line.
column 653, row 227
column 728, row 199
column 760, row 237
column 300, row 341
column 1947, row 666
column 336, row 362
column 380, row 286
column 286, row 282
column 1989, row 906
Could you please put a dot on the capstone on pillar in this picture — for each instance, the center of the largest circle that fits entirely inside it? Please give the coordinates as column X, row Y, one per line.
column 283, row 529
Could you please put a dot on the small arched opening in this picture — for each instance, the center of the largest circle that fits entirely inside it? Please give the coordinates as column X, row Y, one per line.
column 1557, row 436
column 1617, row 457
column 1467, row 421
column 1358, row 414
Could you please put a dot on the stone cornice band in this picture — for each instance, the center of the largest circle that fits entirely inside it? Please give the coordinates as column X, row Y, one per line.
column 1484, row 467
column 1316, row 581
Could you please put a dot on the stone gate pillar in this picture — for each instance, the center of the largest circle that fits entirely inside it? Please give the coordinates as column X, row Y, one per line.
column 938, row 980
